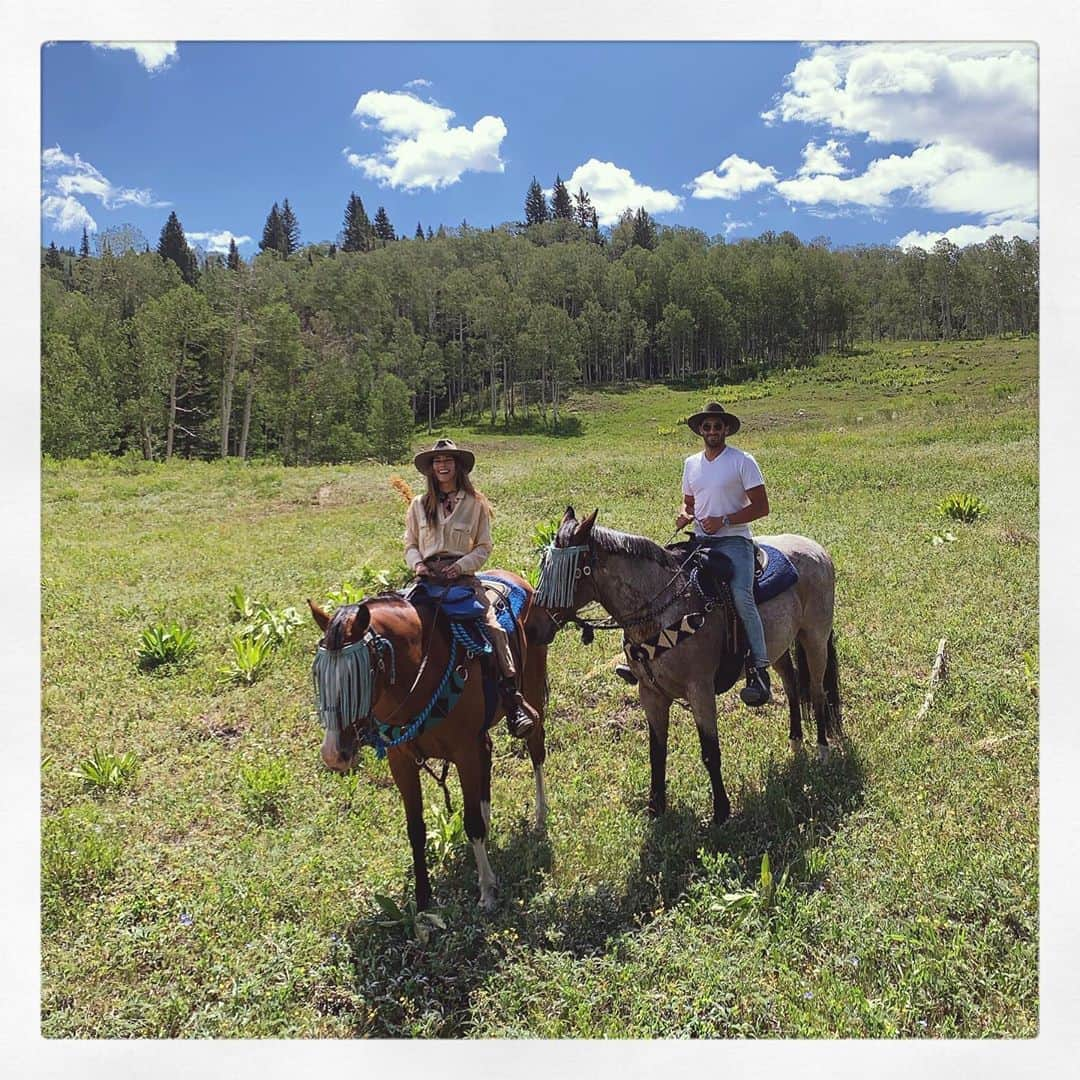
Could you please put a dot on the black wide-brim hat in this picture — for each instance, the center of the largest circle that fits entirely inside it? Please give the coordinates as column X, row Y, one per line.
column 465, row 458
column 717, row 411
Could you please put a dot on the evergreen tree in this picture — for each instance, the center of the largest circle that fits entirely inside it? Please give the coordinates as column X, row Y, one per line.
column 536, row 208
column 273, row 237
column 419, row 232
column 233, row 260
column 356, row 231
column 644, row 229
column 84, row 247
column 383, row 229
column 594, row 224
column 561, row 207
column 583, row 209
column 291, row 230
column 52, row 257
column 173, row 246
column 430, row 234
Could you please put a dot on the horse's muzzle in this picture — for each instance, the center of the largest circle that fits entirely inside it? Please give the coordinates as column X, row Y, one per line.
column 338, row 754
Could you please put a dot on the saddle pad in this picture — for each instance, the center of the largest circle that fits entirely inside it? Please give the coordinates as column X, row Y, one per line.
column 775, row 576
column 458, row 601
column 508, row 608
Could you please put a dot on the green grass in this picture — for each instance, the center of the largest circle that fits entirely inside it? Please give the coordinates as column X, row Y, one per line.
column 233, row 889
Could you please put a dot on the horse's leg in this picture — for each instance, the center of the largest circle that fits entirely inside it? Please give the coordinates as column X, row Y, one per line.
column 406, row 774
column 471, row 770
column 816, row 648
column 783, row 666
column 485, row 787
column 657, row 711
column 703, row 704
column 536, row 692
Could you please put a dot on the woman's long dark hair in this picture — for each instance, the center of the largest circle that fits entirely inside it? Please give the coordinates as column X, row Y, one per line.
column 431, row 496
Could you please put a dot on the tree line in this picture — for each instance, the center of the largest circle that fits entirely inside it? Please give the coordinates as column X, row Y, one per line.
column 334, row 351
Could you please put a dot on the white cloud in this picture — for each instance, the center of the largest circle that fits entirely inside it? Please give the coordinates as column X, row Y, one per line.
column 968, row 110
column 734, row 176
column 730, row 224
column 962, row 235
column 421, row 149
column 153, row 55
column 67, row 214
column 818, row 160
column 418, row 82
column 217, row 241
column 612, row 190
column 73, row 176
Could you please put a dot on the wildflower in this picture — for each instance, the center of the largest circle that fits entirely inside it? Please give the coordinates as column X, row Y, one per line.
column 186, row 919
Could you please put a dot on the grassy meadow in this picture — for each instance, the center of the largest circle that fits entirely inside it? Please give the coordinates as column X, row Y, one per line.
column 204, row 876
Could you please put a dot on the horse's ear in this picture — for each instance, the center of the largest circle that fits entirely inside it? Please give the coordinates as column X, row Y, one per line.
column 585, row 528
column 568, row 516
column 362, row 621
column 319, row 616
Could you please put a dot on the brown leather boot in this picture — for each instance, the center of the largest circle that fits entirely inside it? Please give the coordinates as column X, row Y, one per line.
column 521, row 717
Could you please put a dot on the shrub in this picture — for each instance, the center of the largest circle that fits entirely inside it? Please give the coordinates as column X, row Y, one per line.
column 165, row 644
column 263, row 790
column 249, row 659
column 962, row 506
column 107, row 772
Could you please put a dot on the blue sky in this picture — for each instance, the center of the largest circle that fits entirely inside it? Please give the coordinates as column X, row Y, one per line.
column 863, row 143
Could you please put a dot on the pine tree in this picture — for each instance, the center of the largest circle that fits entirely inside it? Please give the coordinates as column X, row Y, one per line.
column 291, row 230
column 173, row 245
column 644, row 229
column 233, row 260
column 273, row 237
column 583, row 209
column 595, row 226
column 536, row 208
column 84, row 247
column 419, row 232
column 383, row 229
column 561, row 208
column 430, row 234
column 356, row 231
column 52, row 257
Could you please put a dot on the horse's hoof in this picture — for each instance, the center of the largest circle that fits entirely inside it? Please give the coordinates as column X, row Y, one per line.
column 822, row 753
column 488, row 903
column 656, row 809
column 796, row 746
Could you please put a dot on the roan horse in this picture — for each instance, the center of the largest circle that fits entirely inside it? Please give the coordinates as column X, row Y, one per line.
column 391, row 661
column 649, row 590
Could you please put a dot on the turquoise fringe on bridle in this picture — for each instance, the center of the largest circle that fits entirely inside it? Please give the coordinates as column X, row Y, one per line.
column 559, row 572
column 344, row 680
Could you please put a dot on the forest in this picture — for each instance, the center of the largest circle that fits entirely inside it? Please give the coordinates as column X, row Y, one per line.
column 334, row 351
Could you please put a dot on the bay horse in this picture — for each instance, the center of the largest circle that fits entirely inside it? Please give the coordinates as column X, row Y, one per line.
column 385, row 664
column 650, row 593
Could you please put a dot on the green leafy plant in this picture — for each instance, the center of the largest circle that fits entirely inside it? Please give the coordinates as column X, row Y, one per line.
column 417, row 925
column 250, row 658
column 1031, row 671
column 77, row 858
column 242, row 607
column 962, row 506
column 444, row 833
column 263, row 790
column 273, row 626
column 165, row 644
column 105, row 771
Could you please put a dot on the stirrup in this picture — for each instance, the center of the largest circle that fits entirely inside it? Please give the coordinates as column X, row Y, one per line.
column 757, row 691
column 624, row 673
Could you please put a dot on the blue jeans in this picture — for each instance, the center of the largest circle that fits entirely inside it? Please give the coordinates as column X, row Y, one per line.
column 741, row 553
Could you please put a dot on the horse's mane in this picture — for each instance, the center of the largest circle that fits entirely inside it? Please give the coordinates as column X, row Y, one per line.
column 632, row 545
column 335, row 630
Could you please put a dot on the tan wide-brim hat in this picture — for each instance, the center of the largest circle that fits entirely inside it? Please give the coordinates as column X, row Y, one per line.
column 465, row 458
column 717, row 411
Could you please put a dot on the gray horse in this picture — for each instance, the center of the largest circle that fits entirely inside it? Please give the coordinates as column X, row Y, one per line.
column 650, row 594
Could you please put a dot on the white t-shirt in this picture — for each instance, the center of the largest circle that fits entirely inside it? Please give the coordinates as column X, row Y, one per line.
column 720, row 486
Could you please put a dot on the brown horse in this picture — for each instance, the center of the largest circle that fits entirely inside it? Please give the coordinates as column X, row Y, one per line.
column 399, row 656
column 649, row 593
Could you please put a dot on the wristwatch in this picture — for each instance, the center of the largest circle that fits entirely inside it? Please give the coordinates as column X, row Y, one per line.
column 725, row 520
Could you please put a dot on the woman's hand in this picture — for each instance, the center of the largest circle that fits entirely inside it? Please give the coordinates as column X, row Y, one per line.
column 421, row 570
column 452, row 572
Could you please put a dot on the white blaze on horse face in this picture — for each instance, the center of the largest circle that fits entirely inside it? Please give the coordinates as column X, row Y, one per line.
column 541, row 797
column 486, row 876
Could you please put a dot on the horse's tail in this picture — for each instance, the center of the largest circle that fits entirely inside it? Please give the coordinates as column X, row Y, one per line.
column 831, row 687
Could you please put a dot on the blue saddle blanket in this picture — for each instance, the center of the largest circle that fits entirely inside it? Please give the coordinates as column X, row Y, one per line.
column 460, row 603
column 775, row 576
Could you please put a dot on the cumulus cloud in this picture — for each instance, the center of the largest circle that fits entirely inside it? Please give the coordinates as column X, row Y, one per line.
column 421, row 149
column 217, row 241
column 612, row 190
column 818, row 160
column 155, row 56
column 962, row 235
column 969, row 111
column 70, row 175
column 734, row 176
column 67, row 214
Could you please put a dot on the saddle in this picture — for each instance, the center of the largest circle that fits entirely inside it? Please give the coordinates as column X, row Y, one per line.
column 774, row 572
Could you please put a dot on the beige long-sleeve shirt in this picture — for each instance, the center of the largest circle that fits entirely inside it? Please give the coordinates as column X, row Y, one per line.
column 465, row 532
